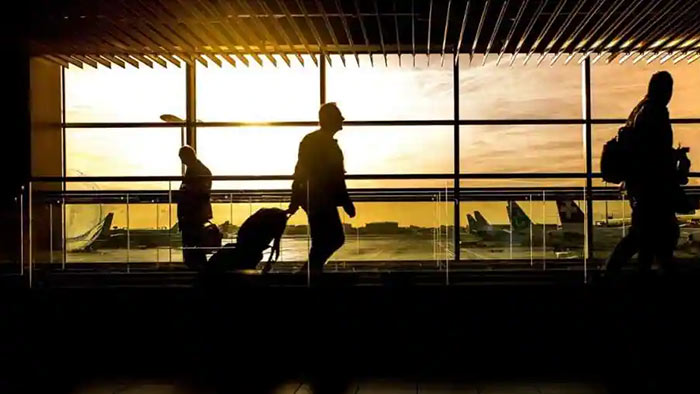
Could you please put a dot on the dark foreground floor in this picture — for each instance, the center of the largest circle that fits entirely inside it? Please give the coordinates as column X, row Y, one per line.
column 632, row 335
column 376, row 386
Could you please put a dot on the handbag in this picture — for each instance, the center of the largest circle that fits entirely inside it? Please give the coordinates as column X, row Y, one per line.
column 211, row 236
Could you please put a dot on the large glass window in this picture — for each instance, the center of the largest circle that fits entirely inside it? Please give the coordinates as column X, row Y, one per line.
column 617, row 88
column 513, row 149
column 123, row 94
column 398, row 219
column 123, row 152
column 258, row 93
column 394, row 91
column 493, row 91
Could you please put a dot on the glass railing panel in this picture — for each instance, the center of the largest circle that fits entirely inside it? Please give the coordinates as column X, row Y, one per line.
column 522, row 227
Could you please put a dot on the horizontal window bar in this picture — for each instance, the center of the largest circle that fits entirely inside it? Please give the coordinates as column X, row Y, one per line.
column 538, row 175
column 419, row 122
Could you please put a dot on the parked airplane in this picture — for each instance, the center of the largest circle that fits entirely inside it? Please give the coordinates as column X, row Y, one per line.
column 87, row 240
column 521, row 231
column 570, row 235
column 482, row 234
column 139, row 238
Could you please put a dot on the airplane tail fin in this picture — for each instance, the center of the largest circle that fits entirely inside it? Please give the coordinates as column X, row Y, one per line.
column 481, row 221
column 518, row 218
column 472, row 222
column 569, row 212
column 106, row 225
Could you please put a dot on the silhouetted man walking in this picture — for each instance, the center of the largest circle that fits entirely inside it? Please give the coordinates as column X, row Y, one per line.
column 652, row 181
column 319, row 187
column 193, row 206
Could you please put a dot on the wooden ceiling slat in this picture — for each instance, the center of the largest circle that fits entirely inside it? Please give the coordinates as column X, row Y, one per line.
column 545, row 30
column 56, row 60
column 85, row 60
column 281, row 31
column 297, row 30
column 241, row 25
column 581, row 26
column 212, row 35
column 430, row 28
column 601, row 23
column 604, row 38
column 461, row 31
column 479, row 28
column 396, row 28
column 495, row 30
column 228, row 59
column 364, row 31
column 228, row 26
column 157, row 59
column 557, row 36
column 694, row 58
column 99, row 59
column 413, row 32
column 172, row 31
column 444, row 37
column 516, row 22
column 128, row 59
column 346, row 28
column 119, row 62
column 666, row 28
column 265, row 32
column 314, row 32
column 632, row 41
column 214, row 59
column 528, row 29
column 201, row 60
column 381, row 31
column 674, row 49
column 70, row 60
column 330, row 30
column 143, row 59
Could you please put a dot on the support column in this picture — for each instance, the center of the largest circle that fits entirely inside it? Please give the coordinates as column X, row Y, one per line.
column 322, row 66
column 47, row 159
column 191, row 105
column 587, row 140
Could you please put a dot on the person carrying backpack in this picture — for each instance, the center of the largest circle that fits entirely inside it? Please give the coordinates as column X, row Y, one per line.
column 648, row 166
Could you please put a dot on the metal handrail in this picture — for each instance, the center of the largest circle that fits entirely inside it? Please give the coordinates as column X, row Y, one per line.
column 403, row 122
column 446, row 176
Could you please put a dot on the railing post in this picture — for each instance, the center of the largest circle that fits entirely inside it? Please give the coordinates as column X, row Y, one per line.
column 457, row 188
column 128, row 235
column 30, row 255
column 21, row 231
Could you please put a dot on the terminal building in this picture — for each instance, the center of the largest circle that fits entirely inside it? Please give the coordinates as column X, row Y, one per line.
column 472, row 140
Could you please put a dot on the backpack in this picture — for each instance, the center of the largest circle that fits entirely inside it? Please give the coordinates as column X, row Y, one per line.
column 616, row 161
column 254, row 237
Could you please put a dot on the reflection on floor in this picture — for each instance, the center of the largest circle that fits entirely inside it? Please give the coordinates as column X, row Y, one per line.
column 360, row 387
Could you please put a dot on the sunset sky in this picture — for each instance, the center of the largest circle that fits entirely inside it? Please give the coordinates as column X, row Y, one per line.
column 362, row 93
